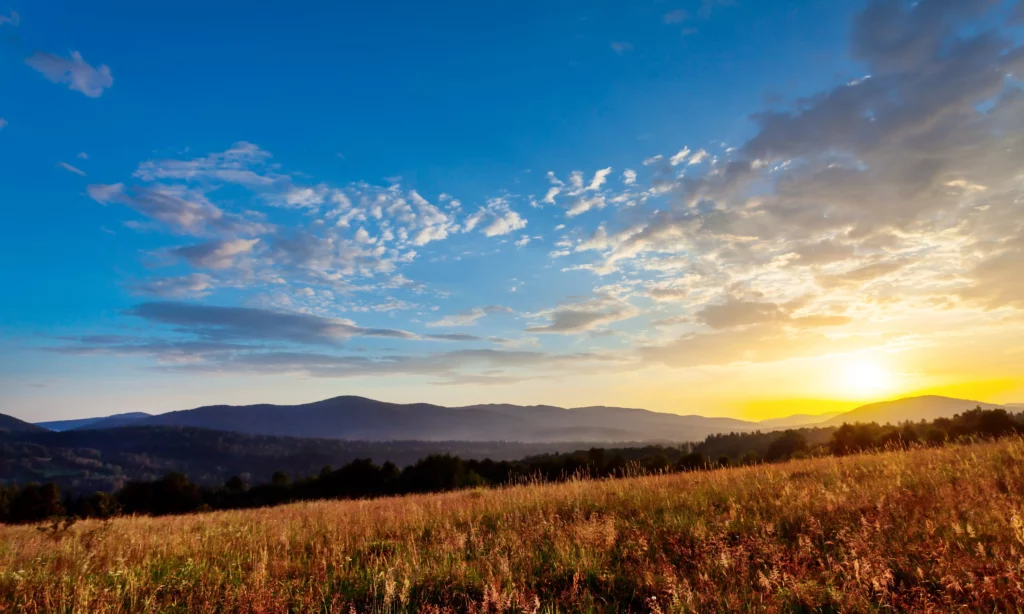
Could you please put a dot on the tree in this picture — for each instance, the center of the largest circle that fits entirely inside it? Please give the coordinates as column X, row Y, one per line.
column 786, row 446
column 235, row 486
column 693, row 461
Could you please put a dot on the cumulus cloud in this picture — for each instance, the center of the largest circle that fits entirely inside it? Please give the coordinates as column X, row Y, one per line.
column 500, row 217
column 680, row 157
column 600, row 177
column 79, row 75
column 902, row 179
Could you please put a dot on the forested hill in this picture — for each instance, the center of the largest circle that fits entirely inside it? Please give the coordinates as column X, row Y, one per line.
column 104, row 459
column 177, row 493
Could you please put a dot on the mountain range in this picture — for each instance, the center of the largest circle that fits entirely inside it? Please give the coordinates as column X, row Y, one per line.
column 355, row 418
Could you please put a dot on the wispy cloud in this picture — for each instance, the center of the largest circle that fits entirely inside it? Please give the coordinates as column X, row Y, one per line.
column 78, row 74
column 71, row 169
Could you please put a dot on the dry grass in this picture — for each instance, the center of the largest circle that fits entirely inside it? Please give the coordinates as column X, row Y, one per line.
column 928, row 530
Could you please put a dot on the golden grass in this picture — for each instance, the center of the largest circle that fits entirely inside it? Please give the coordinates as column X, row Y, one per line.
column 926, row 530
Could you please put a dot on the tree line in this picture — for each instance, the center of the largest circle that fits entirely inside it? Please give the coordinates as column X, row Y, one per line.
column 175, row 493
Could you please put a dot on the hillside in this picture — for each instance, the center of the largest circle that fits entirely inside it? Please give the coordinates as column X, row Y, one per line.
column 829, row 534
column 357, row 418
column 104, row 459
column 10, row 424
column 912, row 409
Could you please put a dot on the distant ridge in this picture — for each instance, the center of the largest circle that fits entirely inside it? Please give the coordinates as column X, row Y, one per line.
column 358, row 418
column 102, row 422
column 912, row 409
column 354, row 418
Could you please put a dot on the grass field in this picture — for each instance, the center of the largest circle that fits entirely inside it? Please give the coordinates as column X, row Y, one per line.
column 925, row 530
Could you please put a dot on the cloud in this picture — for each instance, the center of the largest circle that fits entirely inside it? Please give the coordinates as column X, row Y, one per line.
column 600, row 177
column 468, row 318
column 825, row 251
column 243, row 163
column 621, row 47
column 303, row 197
column 3, row 123
column 503, row 219
column 194, row 285
column 680, row 156
column 215, row 254
column 862, row 274
column 250, row 324
column 583, row 316
column 74, row 71
column 504, row 224
column 451, row 367
column 182, row 210
column 629, row 177
column 554, row 190
column 996, row 281
column 71, row 169
column 668, row 294
column 164, row 351
column 584, row 204
column 740, row 313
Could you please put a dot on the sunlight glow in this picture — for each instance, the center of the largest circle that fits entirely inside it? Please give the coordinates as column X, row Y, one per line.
column 864, row 377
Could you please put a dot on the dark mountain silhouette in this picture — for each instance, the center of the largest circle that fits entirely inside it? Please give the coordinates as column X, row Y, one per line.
column 10, row 424
column 102, row 422
column 358, row 418
column 913, row 409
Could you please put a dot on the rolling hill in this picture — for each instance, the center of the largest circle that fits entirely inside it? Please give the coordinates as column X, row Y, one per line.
column 358, row 418
column 912, row 409
column 10, row 424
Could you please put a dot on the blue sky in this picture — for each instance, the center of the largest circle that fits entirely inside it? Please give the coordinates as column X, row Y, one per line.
column 464, row 203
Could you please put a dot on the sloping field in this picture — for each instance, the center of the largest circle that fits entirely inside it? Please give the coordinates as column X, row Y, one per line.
column 926, row 530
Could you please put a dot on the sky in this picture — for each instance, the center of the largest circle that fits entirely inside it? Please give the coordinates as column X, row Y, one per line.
column 723, row 207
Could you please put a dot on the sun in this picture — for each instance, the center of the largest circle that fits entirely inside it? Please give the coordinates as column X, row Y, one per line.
column 864, row 377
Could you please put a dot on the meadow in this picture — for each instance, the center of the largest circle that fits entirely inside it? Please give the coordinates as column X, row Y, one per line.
column 929, row 529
